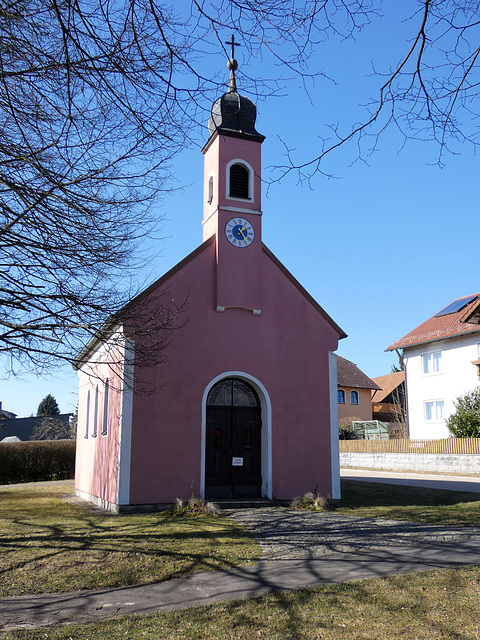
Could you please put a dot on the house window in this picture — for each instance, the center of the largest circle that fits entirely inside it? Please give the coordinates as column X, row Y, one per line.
column 433, row 410
column 95, row 414
column 239, row 181
column 87, row 414
column 353, row 397
column 431, row 363
column 341, row 396
column 105, row 408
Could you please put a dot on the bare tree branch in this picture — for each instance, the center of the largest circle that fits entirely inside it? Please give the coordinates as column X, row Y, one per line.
column 97, row 97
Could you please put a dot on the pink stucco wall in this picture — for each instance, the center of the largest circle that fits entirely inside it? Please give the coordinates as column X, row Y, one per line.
column 240, row 312
column 97, row 457
column 285, row 348
column 219, row 151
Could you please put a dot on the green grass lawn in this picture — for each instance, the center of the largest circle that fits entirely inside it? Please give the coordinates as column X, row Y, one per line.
column 48, row 545
column 432, row 605
column 415, row 504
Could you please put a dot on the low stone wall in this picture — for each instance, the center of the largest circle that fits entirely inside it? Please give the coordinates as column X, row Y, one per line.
column 430, row 462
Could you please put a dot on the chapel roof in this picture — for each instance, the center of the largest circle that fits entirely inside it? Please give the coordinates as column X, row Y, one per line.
column 449, row 322
column 349, row 375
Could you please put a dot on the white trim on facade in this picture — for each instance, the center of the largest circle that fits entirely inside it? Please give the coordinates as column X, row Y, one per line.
column 266, row 409
column 334, row 441
column 210, row 189
column 125, row 426
column 257, row 212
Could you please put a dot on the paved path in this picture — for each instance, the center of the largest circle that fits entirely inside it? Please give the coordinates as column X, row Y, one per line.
column 427, row 480
column 300, row 549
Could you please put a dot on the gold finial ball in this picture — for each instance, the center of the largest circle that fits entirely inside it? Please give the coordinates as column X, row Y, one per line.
column 232, row 64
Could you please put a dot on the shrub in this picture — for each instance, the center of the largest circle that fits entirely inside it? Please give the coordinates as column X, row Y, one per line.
column 37, row 461
column 346, row 432
column 345, row 429
column 195, row 506
column 465, row 421
column 311, row 501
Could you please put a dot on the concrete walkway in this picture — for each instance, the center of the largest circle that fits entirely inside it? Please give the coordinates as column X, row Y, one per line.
column 427, row 480
column 300, row 549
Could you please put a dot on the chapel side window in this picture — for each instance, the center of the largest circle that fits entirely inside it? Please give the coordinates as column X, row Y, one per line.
column 87, row 414
column 353, row 397
column 431, row 363
column 95, row 414
column 105, row 408
column 341, row 396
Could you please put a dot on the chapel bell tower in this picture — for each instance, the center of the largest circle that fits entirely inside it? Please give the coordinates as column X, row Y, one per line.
column 232, row 198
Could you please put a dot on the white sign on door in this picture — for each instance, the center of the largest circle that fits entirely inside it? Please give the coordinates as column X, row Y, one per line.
column 237, row 462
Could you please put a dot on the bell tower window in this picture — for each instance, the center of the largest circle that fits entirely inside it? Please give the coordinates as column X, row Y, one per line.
column 239, row 181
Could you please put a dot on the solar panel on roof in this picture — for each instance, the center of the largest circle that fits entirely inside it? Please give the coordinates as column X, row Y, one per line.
column 456, row 305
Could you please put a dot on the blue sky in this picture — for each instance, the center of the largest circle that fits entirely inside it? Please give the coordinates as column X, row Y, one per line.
column 382, row 246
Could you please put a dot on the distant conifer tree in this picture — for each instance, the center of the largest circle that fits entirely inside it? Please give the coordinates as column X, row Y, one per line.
column 48, row 407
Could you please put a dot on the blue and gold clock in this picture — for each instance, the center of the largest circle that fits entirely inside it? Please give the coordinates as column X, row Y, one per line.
column 239, row 232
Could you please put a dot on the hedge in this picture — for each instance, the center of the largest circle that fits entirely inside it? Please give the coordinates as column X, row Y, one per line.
column 37, row 461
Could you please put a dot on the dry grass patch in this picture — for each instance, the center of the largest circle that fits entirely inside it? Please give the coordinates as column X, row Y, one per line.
column 48, row 545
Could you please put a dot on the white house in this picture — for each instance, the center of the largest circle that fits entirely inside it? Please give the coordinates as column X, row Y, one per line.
column 441, row 357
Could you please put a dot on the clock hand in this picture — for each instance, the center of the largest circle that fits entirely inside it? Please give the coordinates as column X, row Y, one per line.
column 241, row 230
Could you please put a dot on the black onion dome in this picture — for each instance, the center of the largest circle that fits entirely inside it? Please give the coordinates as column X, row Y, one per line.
column 233, row 112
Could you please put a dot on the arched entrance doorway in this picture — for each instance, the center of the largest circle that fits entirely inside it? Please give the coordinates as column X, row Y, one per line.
column 233, row 457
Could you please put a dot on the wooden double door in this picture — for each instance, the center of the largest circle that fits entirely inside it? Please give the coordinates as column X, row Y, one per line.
column 233, row 460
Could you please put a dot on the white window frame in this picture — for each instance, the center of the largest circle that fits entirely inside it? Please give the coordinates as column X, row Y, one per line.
column 344, row 396
column 354, row 393
column 210, row 189
column 87, row 414
column 106, row 393
column 95, row 414
column 434, row 361
column 251, row 194
column 436, row 404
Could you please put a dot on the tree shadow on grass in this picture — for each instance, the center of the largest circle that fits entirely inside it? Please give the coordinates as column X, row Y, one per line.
column 411, row 503
column 372, row 494
column 94, row 552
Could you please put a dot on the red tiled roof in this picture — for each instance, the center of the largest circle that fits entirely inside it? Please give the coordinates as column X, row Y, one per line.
column 387, row 384
column 349, row 375
column 434, row 328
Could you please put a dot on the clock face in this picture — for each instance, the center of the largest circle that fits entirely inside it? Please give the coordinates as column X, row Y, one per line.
column 239, row 232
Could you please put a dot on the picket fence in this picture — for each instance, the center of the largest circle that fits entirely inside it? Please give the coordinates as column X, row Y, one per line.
column 448, row 445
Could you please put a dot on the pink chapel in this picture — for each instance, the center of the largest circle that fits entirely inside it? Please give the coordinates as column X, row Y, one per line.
column 242, row 403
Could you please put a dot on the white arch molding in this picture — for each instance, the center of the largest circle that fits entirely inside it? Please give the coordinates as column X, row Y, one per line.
column 251, row 182
column 266, row 413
